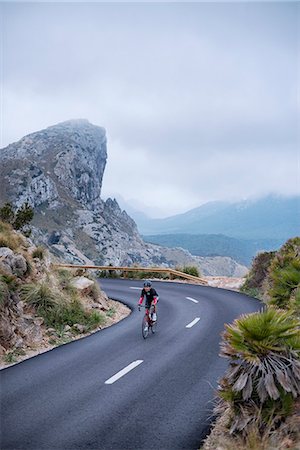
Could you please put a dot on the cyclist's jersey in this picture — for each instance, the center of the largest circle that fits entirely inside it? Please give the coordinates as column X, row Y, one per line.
column 150, row 295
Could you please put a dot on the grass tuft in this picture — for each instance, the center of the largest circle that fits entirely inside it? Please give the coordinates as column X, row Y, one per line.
column 39, row 252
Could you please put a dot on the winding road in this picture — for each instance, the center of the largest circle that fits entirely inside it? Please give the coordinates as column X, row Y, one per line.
column 115, row 390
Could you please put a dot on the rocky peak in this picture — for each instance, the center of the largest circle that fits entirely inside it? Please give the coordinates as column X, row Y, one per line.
column 69, row 157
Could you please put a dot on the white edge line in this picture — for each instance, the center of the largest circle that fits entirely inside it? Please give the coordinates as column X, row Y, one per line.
column 136, row 288
column 124, row 371
column 191, row 324
column 192, row 299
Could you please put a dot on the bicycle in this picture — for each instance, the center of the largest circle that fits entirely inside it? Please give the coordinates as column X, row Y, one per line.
column 148, row 324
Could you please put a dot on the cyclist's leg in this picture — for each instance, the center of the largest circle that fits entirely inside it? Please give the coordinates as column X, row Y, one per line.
column 153, row 311
column 148, row 310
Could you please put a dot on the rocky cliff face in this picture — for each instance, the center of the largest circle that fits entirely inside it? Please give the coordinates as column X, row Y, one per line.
column 64, row 162
column 59, row 171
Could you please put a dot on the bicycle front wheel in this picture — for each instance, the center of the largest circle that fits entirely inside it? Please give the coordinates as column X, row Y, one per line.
column 145, row 327
column 154, row 326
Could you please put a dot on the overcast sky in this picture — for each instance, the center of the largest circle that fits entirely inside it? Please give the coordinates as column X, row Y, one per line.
column 199, row 100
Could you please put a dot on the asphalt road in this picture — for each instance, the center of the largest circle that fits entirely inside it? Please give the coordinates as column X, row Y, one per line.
column 60, row 400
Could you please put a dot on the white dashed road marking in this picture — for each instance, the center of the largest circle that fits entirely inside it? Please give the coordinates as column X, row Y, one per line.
column 192, row 299
column 139, row 288
column 124, row 371
column 190, row 325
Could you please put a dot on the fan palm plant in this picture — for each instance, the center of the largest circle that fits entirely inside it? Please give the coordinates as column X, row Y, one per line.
column 264, row 374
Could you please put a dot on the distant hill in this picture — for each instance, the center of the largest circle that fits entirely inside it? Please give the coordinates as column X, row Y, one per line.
column 271, row 217
column 241, row 250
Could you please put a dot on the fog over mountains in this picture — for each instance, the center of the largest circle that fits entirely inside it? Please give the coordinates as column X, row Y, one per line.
column 271, row 217
column 59, row 171
column 239, row 230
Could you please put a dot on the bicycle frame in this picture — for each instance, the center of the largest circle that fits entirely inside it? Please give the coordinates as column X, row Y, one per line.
column 151, row 324
column 147, row 312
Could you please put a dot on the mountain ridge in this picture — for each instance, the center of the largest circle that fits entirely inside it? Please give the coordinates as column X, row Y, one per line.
column 208, row 245
column 59, row 172
column 270, row 217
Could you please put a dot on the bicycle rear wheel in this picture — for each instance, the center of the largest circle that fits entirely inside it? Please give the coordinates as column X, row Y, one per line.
column 145, row 327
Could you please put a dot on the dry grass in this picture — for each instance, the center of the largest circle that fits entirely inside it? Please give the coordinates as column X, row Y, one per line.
column 9, row 238
column 286, row 436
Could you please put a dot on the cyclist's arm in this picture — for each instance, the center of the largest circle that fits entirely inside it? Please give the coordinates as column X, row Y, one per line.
column 141, row 297
column 155, row 298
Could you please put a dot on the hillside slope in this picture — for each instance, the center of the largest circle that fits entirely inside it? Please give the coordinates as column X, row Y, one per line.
column 42, row 307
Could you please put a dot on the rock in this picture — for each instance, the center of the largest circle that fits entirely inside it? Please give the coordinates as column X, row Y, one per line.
column 67, row 328
column 68, row 334
column 19, row 343
column 103, row 303
column 54, row 238
column 5, row 252
column 28, row 317
column 79, row 327
column 2, row 350
column 20, row 307
column 5, row 267
column 83, row 284
column 34, row 334
column 13, row 263
column 19, row 265
column 39, row 321
column 51, row 331
column 95, row 306
column 8, row 336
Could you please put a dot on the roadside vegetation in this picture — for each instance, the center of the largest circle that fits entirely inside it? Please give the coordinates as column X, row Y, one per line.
column 141, row 275
column 258, row 399
column 18, row 218
column 41, row 305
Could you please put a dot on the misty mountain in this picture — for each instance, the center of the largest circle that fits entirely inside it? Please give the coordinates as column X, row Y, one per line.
column 271, row 217
column 241, row 250
column 59, row 172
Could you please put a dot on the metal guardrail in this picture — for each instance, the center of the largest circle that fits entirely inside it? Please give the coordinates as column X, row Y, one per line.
column 174, row 272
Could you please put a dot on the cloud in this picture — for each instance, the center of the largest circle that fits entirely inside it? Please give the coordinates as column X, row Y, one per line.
column 202, row 98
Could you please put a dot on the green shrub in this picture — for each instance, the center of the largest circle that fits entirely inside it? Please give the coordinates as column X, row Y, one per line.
column 111, row 312
column 64, row 274
column 11, row 281
column 284, row 276
column 191, row 270
column 23, row 216
column 70, row 313
column 252, row 292
column 65, row 278
column 12, row 356
column 39, row 252
column 40, row 295
column 263, row 379
column 94, row 319
column 18, row 218
column 258, row 272
column 7, row 213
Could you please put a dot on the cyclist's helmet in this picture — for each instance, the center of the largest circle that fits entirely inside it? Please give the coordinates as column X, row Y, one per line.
column 147, row 283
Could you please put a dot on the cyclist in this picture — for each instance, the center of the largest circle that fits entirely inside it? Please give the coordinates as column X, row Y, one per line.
column 151, row 298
